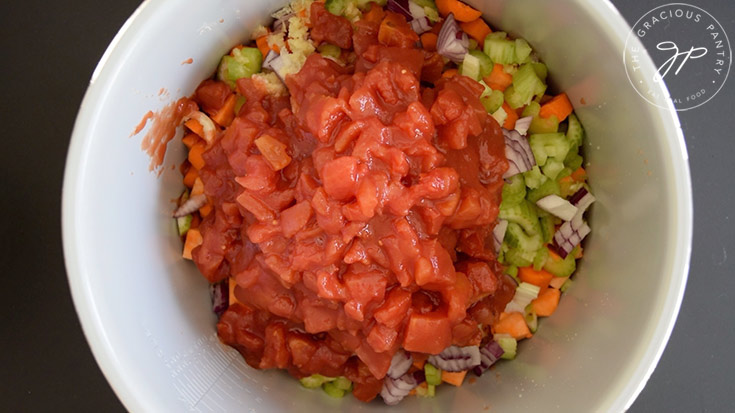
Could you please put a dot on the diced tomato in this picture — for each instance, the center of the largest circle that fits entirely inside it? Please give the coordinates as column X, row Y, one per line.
column 428, row 333
column 395, row 307
column 340, row 176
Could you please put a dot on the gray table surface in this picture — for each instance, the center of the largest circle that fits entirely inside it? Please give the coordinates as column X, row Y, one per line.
column 49, row 50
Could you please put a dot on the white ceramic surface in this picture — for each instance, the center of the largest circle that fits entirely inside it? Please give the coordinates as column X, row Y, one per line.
column 145, row 312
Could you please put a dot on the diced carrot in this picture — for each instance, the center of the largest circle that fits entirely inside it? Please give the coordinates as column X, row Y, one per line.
column 559, row 105
column 449, row 73
column 206, row 209
column 510, row 120
column 419, row 359
column 262, row 43
column 498, row 79
column 455, row 379
column 195, row 127
column 540, row 278
column 195, row 155
column 546, row 302
column 428, row 40
column 557, row 282
column 193, row 240
column 190, row 139
column 274, row 151
column 477, row 29
column 461, row 11
column 190, row 177
column 226, row 113
column 567, row 179
column 579, row 174
column 197, row 188
column 512, row 324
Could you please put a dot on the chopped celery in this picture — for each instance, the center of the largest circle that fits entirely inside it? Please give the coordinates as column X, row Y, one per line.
column 548, row 227
column 243, row 62
column 566, row 171
column 343, row 383
column 569, row 188
column 534, row 178
column 532, row 109
column 522, row 49
column 424, row 3
column 432, row 14
column 497, row 35
column 541, row 70
column 239, row 102
column 544, row 125
column 314, row 381
column 514, row 191
column 552, row 167
column 508, row 344
column 499, row 49
column 538, row 261
column 433, row 374
column 428, row 391
column 336, row 7
column 518, row 258
column 575, row 131
column 560, row 267
column 183, row 224
column 525, row 245
column 329, row 50
column 524, row 214
column 566, row 285
column 573, row 160
column 470, row 67
column 472, row 44
column 546, row 145
column 500, row 115
column 531, row 318
column 548, row 187
column 332, row 390
column 486, row 64
column 526, row 85
column 492, row 101
column 525, row 293
column 512, row 271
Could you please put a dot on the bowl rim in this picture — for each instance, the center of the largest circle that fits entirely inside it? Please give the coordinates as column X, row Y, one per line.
column 86, row 305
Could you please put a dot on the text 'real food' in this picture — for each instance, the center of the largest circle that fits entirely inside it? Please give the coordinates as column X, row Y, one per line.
column 384, row 196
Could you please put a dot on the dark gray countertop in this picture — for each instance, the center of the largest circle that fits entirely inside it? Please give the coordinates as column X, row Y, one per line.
column 49, row 50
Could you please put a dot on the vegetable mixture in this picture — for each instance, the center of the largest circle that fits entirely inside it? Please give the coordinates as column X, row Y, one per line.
column 384, row 196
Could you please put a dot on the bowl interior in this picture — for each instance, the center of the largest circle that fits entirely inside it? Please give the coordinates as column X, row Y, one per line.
column 145, row 311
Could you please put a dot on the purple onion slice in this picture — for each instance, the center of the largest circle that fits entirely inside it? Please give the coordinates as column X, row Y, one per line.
column 489, row 354
column 456, row 359
column 399, row 365
column 273, row 61
column 400, row 7
column 190, row 205
column 220, row 295
column 394, row 390
column 499, row 234
column 519, row 153
column 452, row 42
column 523, row 124
column 570, row 234
column 557, row 206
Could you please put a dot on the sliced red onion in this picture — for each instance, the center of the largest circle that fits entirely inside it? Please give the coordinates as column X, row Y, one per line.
column 523, row 124
column 582, row 199
column 452, row 43
column 489, row 354
column 499, row 234
column 556, row 205
column 273, row 61
column 394, row 390
column 421, row 25
column 519, row 154
column 400, row 7
column 399, row 365
column 570, row 234
column 192, row 204
column 220, row 295
column 455, row 358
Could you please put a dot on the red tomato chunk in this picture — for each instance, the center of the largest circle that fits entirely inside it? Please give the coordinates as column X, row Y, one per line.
column 354, row 216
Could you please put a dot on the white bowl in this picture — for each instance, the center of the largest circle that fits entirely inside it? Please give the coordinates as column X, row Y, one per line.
column 145, row 311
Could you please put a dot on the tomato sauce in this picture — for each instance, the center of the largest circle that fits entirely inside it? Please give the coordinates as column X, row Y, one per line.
column 355, row 215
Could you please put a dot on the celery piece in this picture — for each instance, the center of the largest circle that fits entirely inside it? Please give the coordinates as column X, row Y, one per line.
column 499, row 115
column 329, row 50
column 548, row 187
column 433, row 374
column 532, row 109
column 343, row 383
column 183, row 224
column 518, row 258
column 500, row 50
column 486, row 64
column 526, row 85
column 552, row 168
column 564, row 287
column 428, row 391
column 492, row 101
column 569, row 188
column 432, row 14
column 531, row 318
column 332, row 390
column 239, row 102
column 497, row 35
column 314, row 381
column 512, row 271
column 243, row 62
column 548, row 227
column 472, row 44
column 541, row 70
column 573, row 161
column 524, row 214
column 546, row 145
column 525, row 245
column 514, row 191
column 561, row 267
column 423, row 3
column 508, row 344
column 534, row 178
column 522, row 49
column 470, row 67
column 336, row 7
column 540, row 259
column 575, row 131
column 544, row 125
